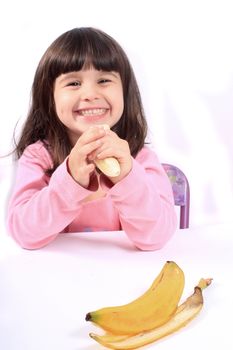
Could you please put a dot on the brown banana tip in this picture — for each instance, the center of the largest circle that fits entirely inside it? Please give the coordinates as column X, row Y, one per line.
column 88, row 316
column 208, row 281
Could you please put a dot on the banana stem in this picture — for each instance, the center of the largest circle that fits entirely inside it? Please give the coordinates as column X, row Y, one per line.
column 204, row 282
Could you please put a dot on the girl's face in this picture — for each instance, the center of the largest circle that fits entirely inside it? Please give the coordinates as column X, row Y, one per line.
column 88, row 97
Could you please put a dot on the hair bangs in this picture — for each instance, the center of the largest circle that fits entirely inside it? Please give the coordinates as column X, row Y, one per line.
column 85, row 50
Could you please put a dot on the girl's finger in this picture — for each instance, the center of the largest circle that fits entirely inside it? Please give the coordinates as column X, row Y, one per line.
column 92, row 134
column 84, row 151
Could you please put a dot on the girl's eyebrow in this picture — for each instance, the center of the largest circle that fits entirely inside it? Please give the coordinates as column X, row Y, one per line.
column 114, row 74
column 74, row 75
column 67, row 76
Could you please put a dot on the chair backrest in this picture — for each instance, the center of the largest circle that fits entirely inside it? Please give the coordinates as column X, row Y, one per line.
column 181, row 192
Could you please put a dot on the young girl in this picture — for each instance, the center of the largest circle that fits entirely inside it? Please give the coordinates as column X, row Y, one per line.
column 83, row 83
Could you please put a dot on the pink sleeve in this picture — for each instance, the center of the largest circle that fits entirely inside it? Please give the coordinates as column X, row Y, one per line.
column 42, row 207
column 145, row 203
column 46, row 204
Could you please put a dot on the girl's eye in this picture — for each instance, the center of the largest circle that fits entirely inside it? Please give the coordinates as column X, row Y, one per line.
column 74, row 83
column 104, row 81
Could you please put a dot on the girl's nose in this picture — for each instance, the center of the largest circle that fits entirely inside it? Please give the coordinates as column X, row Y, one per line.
column 89, row 93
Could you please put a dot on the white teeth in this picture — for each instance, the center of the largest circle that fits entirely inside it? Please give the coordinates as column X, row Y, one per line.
column 96, row 111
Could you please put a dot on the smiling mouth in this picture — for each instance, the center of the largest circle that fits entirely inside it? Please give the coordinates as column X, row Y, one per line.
column 92, row 112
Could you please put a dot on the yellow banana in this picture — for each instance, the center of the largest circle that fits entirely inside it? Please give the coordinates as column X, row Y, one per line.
column 150, row 310
column 184, row 314
column 109, row 166
column 156, row 281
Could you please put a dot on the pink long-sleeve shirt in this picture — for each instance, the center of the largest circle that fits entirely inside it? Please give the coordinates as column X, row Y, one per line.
column 41, row 207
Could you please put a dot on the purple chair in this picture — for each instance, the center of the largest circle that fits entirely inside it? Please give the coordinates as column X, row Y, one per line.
column 181, row 192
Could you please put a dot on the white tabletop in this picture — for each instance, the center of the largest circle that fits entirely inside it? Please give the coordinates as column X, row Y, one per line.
column 45, row 294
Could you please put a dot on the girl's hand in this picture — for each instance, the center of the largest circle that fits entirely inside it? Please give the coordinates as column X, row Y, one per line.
column 114, row 146
column 80, row 166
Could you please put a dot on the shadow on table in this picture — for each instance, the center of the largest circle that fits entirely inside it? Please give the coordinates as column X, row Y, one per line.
column 85, row 242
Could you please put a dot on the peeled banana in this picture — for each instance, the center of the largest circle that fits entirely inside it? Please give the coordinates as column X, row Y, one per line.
column 109, row 166
column 184, row 314
column 150, row 310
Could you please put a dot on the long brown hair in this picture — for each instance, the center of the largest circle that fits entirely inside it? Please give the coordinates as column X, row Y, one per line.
column 76, row 49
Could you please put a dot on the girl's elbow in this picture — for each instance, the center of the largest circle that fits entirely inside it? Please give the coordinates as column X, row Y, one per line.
column 158, row 234
column 25, row 237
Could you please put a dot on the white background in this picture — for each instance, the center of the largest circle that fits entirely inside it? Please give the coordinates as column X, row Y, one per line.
column 182, row 55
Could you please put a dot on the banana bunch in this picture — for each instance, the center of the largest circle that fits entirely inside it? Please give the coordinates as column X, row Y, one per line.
column 153, row 315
